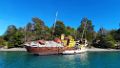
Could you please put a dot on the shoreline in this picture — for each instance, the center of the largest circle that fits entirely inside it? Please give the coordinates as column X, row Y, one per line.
column 100, row 50
column 88, row 49
column 13, row 49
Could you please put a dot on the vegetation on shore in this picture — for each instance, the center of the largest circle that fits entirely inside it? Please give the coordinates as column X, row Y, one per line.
column 35, row 30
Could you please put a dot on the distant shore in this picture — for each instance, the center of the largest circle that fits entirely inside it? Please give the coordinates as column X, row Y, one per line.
column 88, row 49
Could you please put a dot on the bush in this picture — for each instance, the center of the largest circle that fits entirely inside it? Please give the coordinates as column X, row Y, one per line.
column 104, row 42
column 10, row 45
column 2, row 42
column 110, row 44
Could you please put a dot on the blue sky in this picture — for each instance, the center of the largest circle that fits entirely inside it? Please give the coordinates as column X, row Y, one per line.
column 103, row 13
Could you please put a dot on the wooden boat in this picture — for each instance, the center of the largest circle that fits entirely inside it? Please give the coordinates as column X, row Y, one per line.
column 49, row 48
column 53, row 48
column 65, row 45
column 62, row 46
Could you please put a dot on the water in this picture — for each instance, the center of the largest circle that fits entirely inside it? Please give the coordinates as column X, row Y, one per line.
column 84, row 60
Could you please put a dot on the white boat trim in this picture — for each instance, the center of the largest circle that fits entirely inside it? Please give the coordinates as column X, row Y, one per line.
column 78, row 51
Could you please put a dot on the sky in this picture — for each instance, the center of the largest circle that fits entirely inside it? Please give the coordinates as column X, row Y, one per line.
column 103, row 13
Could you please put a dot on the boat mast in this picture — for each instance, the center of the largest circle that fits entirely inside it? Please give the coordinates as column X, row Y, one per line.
column 55, row 23
column 55, row 18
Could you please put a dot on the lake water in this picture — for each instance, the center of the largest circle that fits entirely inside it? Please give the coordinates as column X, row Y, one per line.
column 84, row 60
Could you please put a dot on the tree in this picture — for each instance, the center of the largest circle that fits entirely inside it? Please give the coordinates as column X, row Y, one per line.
column 14, row 36
column 90, row 33
column 102, row 32
column 2, row 41
column 59, row 28
column 70, row 31
column 117, row 35
column 29, row 27
column 81, row 27
column 104, row 39
column 88, row 29
column 29, row 32
column 9, row 33
column 39, row 28
column 47, row 33
column 17, row 39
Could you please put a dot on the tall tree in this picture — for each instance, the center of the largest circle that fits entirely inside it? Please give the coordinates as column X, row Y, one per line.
column 104, row 39
column 59, row 28
column 2, row 41
column 39, row 28
column 10, row 31
column 47, row 33
column 29, row 27
column 70, row 31
column 14, row 36
column 87, row 28
column 18, row 38
column 117, row 36
column 29, row 32
column 102, row 32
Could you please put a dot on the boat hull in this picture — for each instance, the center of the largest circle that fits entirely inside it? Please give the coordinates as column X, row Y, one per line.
column 70, row 52
column 53, row 50
column 44, row 50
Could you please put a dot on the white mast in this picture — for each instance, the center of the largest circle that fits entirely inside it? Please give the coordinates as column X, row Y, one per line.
column 55, row 21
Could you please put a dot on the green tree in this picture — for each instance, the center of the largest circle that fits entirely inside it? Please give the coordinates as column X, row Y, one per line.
column 47, row 33
column 117, row 35
column 10, row 31
column 104, row 39
column 70, row 31
column 14, row 36
column 39, row 28
column 88, row 29
column 59, row 28
column 29, row 32
column 2, row 41
column 17, row 39
column 102, row 32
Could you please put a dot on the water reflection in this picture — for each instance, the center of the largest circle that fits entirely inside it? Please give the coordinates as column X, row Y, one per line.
column 78, row 59
column 84, row 58
column 69, row 57
column 24, row 60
